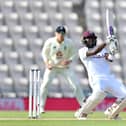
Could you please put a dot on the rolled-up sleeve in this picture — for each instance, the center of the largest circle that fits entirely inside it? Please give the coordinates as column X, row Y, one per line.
column 82, row 52
column 45, row 51
column 72, row 51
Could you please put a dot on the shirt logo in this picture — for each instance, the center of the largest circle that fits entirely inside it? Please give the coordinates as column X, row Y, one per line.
column 59, row 54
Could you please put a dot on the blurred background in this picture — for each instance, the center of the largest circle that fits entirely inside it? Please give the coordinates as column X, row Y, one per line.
column 26, row 24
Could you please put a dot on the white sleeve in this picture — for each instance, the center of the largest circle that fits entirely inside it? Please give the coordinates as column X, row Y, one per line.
column 82, row 52
column 45, row 51
column 72, row 51
column 104, row 51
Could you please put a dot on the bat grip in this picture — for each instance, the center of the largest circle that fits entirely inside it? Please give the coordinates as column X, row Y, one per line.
column 111, row 30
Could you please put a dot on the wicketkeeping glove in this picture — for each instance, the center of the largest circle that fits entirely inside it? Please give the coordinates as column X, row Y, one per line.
column 112, row 44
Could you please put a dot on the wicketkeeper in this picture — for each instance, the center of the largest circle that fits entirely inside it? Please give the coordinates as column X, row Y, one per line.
column 95, row 58
column 58, row 54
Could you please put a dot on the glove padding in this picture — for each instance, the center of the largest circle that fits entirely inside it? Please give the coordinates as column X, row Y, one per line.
column 112, row 44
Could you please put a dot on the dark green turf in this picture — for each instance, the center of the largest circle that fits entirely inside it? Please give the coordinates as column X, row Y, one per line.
column 56, row 118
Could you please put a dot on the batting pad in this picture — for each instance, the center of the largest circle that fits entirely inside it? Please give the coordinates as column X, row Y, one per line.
column 118, row 109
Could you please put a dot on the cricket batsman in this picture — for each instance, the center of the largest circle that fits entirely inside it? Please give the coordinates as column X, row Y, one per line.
column 58, row 53
column 95, row 59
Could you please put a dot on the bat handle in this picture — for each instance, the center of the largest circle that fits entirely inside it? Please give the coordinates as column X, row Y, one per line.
column 111, row 30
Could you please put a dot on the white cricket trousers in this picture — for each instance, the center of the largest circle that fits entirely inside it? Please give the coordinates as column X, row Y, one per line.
column 68, row 75
column 110, row 85
column 102, row 86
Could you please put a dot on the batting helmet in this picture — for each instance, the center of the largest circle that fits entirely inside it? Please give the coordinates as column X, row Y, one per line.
column 87, row 35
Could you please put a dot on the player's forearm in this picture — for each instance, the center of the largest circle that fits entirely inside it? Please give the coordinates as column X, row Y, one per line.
column 99, row 48
column 45, row 55
column 72, row 54
column 96, row 50
column 45, row 52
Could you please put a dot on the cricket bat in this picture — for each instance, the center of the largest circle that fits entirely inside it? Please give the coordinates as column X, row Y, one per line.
column 110, row 22
column 113, row 46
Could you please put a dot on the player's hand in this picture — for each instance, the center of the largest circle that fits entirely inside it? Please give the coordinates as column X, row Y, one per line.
column 65, row 62
column 49, row 66
column 112, row 44
column 111, row 39
column 109, row 57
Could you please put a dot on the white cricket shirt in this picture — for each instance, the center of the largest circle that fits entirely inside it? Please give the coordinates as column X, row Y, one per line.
column 55, row 52
column 96, row 65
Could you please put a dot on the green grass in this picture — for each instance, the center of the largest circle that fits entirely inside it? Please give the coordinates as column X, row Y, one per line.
column 56, row 118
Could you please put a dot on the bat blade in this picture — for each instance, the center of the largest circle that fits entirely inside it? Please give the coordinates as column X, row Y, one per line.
column 109, row 22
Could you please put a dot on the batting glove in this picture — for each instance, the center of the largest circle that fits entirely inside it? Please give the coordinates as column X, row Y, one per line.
column 111, row 38
column 113, row 48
